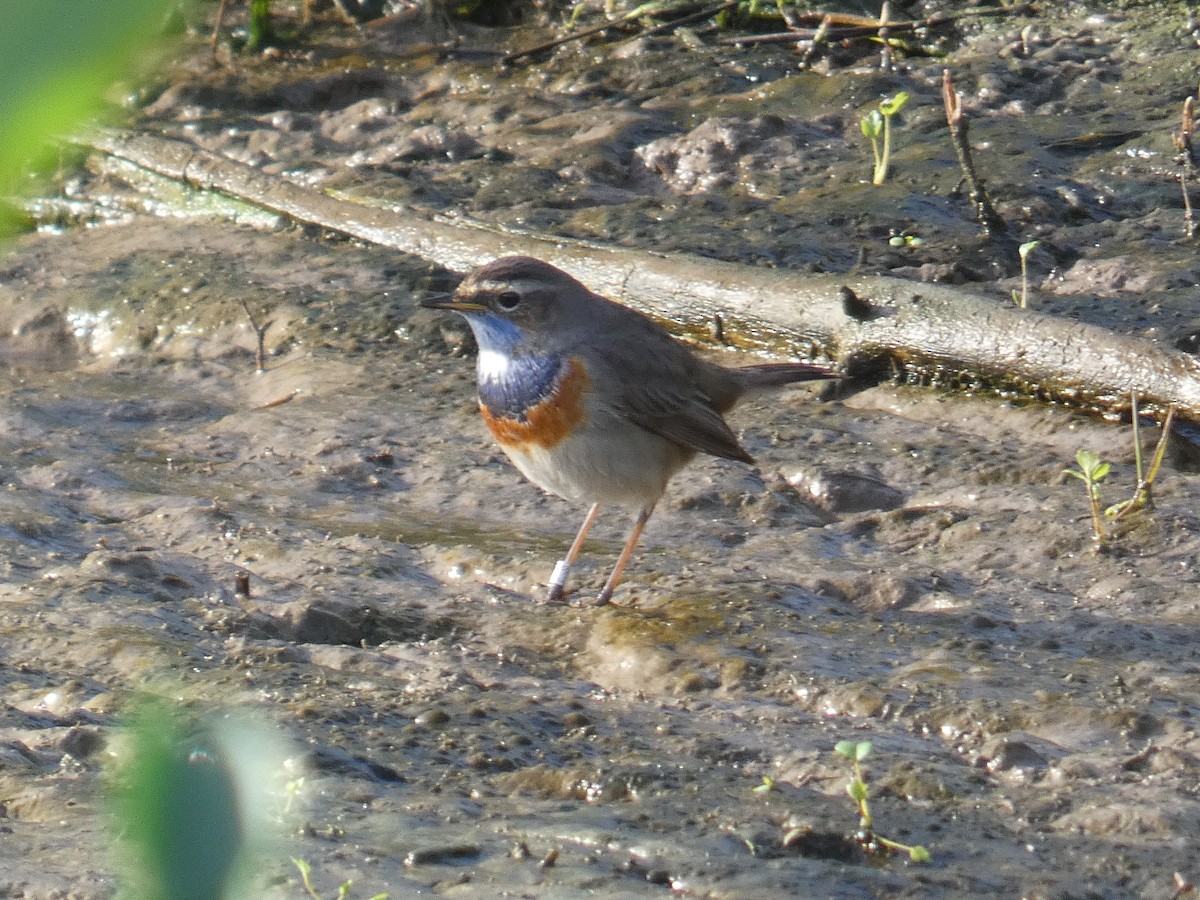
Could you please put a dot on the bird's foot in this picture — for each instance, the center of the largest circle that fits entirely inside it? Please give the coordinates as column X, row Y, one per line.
column 558, row 581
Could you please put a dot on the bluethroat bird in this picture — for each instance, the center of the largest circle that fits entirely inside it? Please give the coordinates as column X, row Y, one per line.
column 593, row 401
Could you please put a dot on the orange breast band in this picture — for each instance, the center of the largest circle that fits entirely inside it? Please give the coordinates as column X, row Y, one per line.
column 550, row 421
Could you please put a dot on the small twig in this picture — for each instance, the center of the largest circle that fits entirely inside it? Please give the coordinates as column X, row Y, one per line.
column 278, row 401
column 795, row 36
column 885, row 52
column 1187, row 127
column 628, row 17
column 957, row 122
column 510, row 58
column 693, row 17
column 1187, row 161
column 260, row 332
column 1189, row 219
column 216, row 35
column 909, row 24
column 816, row 42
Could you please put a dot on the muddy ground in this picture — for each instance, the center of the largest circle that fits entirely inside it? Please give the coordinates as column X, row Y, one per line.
column 907, row 565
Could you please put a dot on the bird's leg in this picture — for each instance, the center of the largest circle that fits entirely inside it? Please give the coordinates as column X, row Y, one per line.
column 615, row 578
column 562, row 568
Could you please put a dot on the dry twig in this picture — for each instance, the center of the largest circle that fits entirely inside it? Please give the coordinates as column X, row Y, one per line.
column 885, row 52
column 957, row 121
column 260, row 332
column 1187, row 162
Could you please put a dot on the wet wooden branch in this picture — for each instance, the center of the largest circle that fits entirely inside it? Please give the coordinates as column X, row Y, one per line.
column 931, row 330
column 831, row 26
column 840, row 26
column 642, row 11
column 942, row 18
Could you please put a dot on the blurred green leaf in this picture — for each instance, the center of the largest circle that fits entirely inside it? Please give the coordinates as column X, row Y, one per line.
column 178, row 807
column 893, row 105
column 872, row 124
column 919, row 854
column 56, row 61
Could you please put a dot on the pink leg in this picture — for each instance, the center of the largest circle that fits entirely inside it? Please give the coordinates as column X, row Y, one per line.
column 562, row 568
column 615, row 578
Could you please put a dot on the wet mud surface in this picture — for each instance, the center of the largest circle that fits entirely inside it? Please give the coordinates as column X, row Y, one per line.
column 905, row 566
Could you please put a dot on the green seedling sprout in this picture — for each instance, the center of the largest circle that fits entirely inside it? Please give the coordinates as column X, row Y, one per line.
column 1142, row 497
column 306, row 878
column 1091, row 470
column 1025, row 249
column 877, row 128
column 855, row 753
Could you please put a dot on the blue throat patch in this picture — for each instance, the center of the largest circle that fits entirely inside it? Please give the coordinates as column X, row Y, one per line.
column 510, row 389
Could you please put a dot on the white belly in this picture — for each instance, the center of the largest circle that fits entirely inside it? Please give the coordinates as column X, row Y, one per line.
column 617, row 464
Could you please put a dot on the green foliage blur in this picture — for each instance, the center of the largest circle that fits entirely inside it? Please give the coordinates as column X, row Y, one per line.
column 56, row 62
column 177, row 809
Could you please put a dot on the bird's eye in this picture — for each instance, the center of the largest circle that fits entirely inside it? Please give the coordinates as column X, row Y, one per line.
column 509, row 300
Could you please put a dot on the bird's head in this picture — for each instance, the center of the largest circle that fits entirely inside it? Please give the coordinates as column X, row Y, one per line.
column 517, row 300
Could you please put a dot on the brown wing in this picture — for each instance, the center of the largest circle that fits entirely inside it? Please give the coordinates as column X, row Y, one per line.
column 687, row 420
column 666, row 390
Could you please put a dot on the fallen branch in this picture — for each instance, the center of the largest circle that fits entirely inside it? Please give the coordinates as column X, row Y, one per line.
column 652, row 8
column 931, row 331
column 840, row 26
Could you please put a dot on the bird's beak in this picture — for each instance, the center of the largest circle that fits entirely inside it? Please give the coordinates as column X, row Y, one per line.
column 449, row 301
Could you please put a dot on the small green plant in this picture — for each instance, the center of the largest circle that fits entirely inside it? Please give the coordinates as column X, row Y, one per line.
column 292, row 790
column 306, row 877
column 855, row 753
column 877, row 128
column 258, row 28
column 1092, row 470
column 1142, row 497
column 1025, row 249
column 911, row 241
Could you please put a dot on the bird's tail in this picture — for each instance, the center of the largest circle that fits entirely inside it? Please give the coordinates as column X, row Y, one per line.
column 769, row 375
